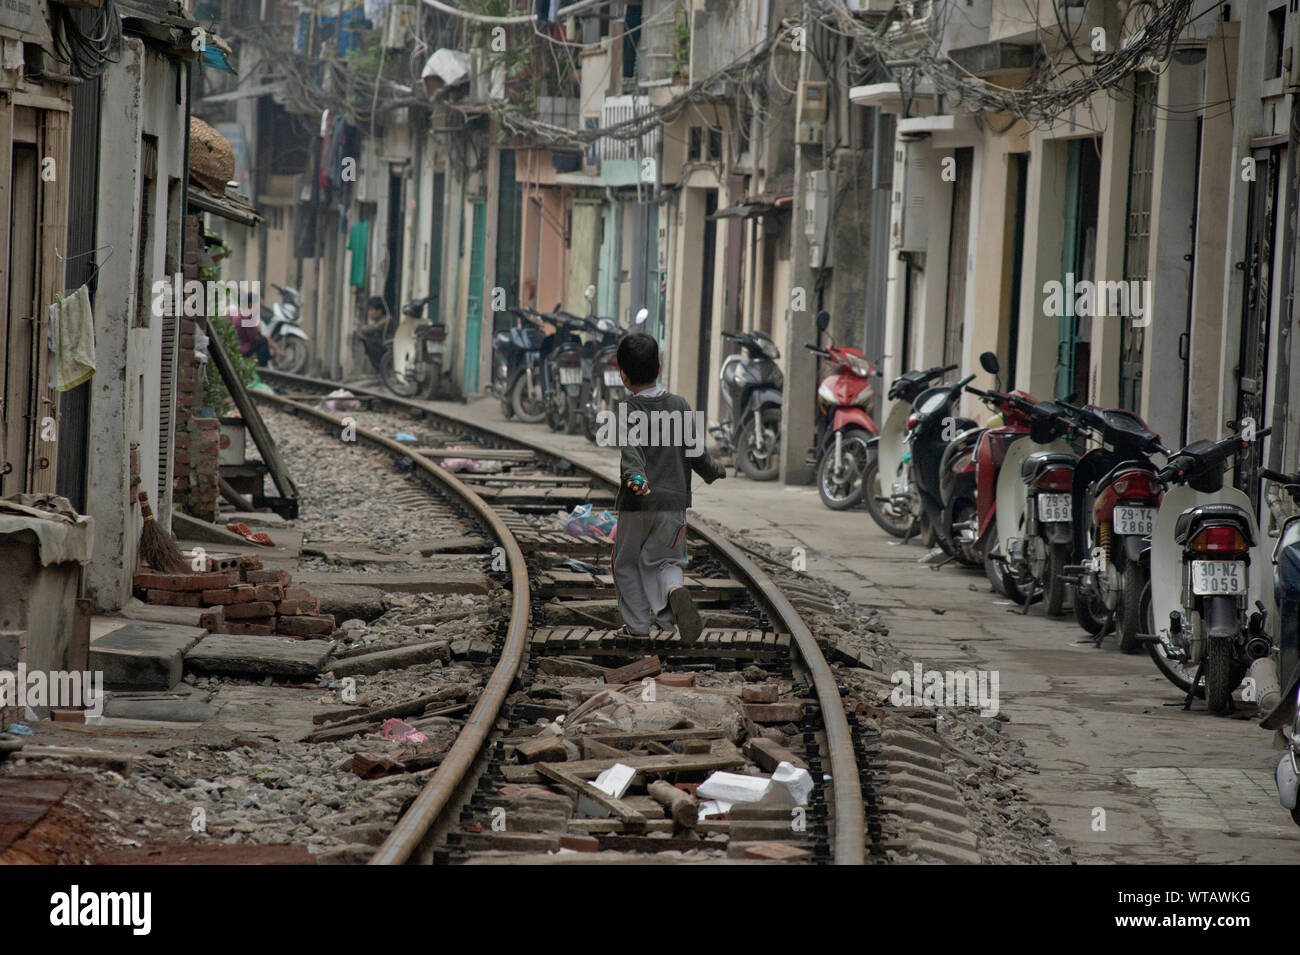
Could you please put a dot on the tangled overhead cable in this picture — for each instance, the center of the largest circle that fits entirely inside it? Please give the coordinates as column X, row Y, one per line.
column 1045, row 95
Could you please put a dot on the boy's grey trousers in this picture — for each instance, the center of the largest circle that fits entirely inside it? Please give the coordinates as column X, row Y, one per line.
column 649, row 554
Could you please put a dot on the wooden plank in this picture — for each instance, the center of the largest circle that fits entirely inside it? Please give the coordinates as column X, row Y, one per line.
column 252, row 417
column 648, row 765
column 625, row 813
column 481, row 454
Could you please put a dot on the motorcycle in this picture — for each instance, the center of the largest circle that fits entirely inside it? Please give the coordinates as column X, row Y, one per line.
column 563, row 368
column 1203, row 544
column 607, row 388
column 932, row 429
column 1114, row 498
column 1282, row 706
column 517, row 372
column 898, row 511
column 973, row 463
column 280, row 325
column 751, row 390
column 412, row 365
column 843, row 450
column 1035, row 530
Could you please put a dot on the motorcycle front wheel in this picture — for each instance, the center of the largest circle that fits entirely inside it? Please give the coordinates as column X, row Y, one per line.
column 755, row 466
column 404, row 386
column 881, row 508
column 527, row 404
column 842, row 488
column 293, row 356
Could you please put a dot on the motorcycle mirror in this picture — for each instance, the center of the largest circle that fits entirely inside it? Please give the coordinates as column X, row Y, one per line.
column 823, row 321
column 641, row 316
column 989, row 362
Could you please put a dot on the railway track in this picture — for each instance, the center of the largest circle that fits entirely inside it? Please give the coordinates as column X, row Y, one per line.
column 456, row 817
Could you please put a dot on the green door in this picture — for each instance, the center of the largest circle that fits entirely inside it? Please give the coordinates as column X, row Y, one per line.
column 474, row 308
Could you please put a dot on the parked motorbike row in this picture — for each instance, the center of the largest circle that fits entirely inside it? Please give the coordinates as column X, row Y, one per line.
column 1056, row 500
column 559, row 368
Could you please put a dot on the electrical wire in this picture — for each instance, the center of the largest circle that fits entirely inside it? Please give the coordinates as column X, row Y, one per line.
column 87, row 53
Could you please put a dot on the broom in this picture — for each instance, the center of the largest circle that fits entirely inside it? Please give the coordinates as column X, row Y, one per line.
column 157, row 547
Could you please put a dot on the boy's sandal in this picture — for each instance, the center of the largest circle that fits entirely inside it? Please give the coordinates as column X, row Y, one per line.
column 625, row 632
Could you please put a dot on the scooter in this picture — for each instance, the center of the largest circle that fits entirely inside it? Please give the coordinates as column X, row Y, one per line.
column 563, row 372
column 607, row 388
column 932, row 429
column 1114, row 499
column 517, row 371
column 1035, row 530
column 892, row 499
column 971, row 481
column 1277, row 676
column 843, row 450
column 280, row 324
column 413, row 364
column 751, row 391
column 602, row 377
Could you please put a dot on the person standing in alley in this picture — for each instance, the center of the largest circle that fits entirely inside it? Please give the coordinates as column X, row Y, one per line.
column 658, row 452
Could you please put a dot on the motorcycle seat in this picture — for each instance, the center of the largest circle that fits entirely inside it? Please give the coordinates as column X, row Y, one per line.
column 1039, row 461
column 1193, row 517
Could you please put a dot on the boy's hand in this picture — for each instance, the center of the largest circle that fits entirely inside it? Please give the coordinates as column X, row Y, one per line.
column 639, row 488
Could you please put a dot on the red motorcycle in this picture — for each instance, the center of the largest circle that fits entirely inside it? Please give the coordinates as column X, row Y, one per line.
column 969, row 477
column 843, row 452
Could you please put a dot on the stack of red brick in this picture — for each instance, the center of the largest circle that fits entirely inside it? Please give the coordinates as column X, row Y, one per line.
column 253, row 601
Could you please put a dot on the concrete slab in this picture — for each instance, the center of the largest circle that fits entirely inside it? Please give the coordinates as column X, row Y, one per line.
column 258, row 656
column 143, row 654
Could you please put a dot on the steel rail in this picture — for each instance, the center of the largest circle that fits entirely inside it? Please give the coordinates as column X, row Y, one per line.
column 405, row 841
column 850, row 828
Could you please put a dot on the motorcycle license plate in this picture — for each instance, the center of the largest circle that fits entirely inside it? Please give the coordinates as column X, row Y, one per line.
column 1212, row 577
column 570, row 376
column 612, row 378
column 1135, row 520
column 1053, row 507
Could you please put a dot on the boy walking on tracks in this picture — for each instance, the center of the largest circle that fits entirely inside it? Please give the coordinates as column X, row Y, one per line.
column 661, row 441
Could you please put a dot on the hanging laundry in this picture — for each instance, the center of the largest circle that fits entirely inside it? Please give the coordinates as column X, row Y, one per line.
column 74, row 351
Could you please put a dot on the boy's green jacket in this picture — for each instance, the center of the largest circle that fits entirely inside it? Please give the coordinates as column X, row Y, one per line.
column 666, row 469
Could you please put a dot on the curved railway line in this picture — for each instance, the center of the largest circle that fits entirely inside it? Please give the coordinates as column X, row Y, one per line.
column 462, row 789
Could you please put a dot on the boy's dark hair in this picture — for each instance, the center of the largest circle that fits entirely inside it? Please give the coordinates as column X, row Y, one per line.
column 638, row 358
column 377, row 304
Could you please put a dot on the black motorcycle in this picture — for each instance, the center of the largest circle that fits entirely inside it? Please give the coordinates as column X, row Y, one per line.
column 751, row 389
column 517, row 368
column 891, row 499
column 931, row 429
column 563, row 365
column 606, row 389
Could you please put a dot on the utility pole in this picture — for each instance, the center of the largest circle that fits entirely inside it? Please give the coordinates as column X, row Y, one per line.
column 798, row 410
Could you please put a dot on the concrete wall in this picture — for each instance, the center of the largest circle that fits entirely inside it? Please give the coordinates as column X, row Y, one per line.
column 138, row 98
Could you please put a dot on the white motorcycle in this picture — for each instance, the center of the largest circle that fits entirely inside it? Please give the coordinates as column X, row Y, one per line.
column 280, row 324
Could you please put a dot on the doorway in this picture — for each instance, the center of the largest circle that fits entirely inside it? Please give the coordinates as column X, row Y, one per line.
column 1078, row 262
column 706, row 298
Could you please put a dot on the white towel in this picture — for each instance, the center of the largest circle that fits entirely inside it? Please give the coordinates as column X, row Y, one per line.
column 74, row 354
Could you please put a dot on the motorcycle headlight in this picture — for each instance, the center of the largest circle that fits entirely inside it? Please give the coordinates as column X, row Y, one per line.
column 861, row 367
column 769, row 349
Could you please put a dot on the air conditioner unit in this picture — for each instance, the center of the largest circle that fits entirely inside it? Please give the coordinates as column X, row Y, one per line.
column 399, row 26
column 811, row 121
